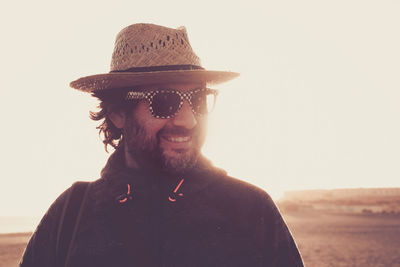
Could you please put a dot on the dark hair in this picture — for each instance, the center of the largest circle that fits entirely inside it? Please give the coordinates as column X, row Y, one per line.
column 111, row 102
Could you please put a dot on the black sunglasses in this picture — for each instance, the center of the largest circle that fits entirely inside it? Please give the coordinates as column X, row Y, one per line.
column 165, row 103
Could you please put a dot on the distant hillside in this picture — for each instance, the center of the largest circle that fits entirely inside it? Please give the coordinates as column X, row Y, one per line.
column 357, row 200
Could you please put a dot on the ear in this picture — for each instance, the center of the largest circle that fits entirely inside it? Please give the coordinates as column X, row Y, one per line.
column 118, row 119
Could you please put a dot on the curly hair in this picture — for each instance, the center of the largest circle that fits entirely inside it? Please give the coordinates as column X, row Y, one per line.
column 111, row 102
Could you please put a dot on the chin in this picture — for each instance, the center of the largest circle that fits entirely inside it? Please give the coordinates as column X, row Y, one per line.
column 180, row 162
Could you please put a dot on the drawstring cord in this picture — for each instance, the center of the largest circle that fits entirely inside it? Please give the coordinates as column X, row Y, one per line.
column 123, row 198
column 176, row 189
column 128, row 195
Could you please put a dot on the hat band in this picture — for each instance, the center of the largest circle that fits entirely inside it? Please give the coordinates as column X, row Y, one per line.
column 161, row 68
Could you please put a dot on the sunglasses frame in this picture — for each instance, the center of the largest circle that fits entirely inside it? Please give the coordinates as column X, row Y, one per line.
column 149, row 95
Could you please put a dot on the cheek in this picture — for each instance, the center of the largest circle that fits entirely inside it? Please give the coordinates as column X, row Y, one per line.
column 141, row 113
column 143, row 116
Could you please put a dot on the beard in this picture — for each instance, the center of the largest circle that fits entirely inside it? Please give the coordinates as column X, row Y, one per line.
column 145, row 149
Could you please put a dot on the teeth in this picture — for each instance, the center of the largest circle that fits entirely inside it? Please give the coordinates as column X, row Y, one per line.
column 178, row 138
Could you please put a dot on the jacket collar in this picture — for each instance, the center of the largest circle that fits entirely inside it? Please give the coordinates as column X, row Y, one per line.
column 115, row 173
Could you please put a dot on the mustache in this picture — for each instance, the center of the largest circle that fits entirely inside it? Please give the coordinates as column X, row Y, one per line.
column 177, row 130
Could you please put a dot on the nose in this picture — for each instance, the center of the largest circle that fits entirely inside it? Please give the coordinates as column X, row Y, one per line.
column 185, row 117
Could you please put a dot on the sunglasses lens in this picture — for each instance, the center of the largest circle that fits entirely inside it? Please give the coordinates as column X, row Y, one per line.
column 203, row 102
column 165, row 104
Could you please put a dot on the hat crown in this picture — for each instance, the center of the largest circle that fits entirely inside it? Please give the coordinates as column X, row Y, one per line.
column 148, row 45
column 148, row 54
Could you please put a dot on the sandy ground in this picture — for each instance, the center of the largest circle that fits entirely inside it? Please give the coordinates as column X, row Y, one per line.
column 324, row 240
column 336, row 240
column 11, row 248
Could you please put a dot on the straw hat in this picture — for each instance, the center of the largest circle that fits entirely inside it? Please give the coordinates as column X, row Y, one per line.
column 147, row 54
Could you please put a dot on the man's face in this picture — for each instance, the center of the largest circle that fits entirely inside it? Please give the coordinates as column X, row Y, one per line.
column 171, row 144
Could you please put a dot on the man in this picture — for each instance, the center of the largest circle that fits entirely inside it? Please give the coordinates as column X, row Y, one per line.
column 159, row 202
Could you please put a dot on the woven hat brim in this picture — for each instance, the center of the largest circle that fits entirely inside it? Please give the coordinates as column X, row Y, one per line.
column 130, row 79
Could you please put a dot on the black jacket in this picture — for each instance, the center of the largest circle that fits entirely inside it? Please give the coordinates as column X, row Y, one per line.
column 211, row 220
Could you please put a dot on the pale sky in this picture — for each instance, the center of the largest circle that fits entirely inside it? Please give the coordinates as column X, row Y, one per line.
column 316, row 105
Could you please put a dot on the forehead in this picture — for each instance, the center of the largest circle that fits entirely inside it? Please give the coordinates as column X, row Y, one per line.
column 173, row 86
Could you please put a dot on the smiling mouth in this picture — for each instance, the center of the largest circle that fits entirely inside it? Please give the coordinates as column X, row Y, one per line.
column 177, row 139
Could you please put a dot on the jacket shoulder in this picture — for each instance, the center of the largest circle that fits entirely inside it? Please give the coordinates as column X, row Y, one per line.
column 253, row 206
column 240, row 189
column 41, row 248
